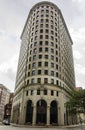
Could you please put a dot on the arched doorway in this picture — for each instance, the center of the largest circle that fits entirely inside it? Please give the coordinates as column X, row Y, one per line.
column 41, row 112
column 54, row 113
column 29, row 112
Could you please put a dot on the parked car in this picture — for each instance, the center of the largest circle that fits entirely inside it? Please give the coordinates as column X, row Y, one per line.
column 6, row 122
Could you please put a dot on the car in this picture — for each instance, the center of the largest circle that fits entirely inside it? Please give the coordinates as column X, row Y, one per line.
column 6, row 122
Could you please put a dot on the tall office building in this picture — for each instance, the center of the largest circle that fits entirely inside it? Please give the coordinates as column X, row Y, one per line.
column 45, row 77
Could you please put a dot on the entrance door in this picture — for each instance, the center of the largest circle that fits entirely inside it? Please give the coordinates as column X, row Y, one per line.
column 53, row 113
column 29, row 112
column 41, row 112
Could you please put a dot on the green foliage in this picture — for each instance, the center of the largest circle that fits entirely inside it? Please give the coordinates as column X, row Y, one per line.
column 76, row 102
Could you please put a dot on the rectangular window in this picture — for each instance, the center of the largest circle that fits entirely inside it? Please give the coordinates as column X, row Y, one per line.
column 46, row 72
column 32, row 81
column 38, row 92
column 45, row 92
column 40, row 56
column 40, row 43
column 34, row 57
column 33, row 72
column 34, row 65
column 39, row 64
column 46, row 49
column 46, row 63
column 52, row 92
column 57, row 93
column 45, row 80
column 39, row 72
column 52, row 57
column 46, row 56
column 52, row 81
column 52, row 65
column 40, row 49
column 31, row 92
column 52, row 73
column 39, row 80
column 27, row 93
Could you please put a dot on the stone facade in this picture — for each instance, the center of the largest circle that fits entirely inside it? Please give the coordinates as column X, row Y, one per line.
column 45, row 77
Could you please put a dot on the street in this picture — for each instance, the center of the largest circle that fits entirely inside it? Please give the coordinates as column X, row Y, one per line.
column 4, row 127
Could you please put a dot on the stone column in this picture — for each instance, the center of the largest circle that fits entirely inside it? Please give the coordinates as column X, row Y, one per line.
column 48, row 115
column 34, row 115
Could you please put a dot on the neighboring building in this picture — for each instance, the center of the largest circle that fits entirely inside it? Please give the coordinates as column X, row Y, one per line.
column 4, row 95
column 45, row 76
column 78, row 88
column 8, row 107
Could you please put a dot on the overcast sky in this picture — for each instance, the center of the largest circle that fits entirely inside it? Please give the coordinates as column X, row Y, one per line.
column 13, row 14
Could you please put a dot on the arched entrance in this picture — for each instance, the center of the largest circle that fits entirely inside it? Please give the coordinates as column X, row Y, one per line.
column 41, row 112
column 29, row 112
column 54, row 113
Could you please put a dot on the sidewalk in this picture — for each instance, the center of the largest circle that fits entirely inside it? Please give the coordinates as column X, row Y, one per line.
column 44, row 126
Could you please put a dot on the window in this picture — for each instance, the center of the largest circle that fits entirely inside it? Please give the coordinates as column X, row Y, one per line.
column 41, row 25
column 33, row 72
column 52, row 81
column 32, row 80
column 35, row 50
column 47, row 20
column 46, row 36
column 28, row 74
column 52, row 57
column 31, row 92
column 45, row 92
column 40, row 56
column 52, row 92
column 29, row 66
column 35, row 43
column 46, row 56
column 39, row 72
column 56, row 59
column 27, row 93
column 57, row 82
column 52, row 38
column 52, row 44
column 39, row 80
column 52, row 73
column 29, row 58
column 40, row 43
column 39, row 64
column 46, row 43
column 56, row 52
column 34, row 57
column 36, row 31
column 47, row 25
column 46, row 63
column 34, row 65
column 42, row 20
column 46, row 30
column 40, row 49
column 45, row 80
column 56, row 74
column 51, row 26
column 52, row 65
column 47, row 11
column 57, row 93
column 46, row 49
column 38, row 92
column 27, row 82
column 57, row 67
column 41, row 31
column 46, row 72
column 52, row 50
column 41, row 36
column 35, row 37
